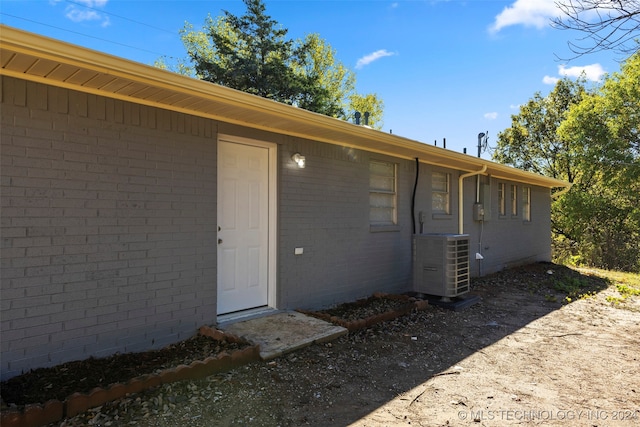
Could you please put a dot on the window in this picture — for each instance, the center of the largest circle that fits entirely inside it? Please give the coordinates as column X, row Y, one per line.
column 382, row 193
column 526, row 203
column 502, row 201
column 514, row 200
column 440, row 192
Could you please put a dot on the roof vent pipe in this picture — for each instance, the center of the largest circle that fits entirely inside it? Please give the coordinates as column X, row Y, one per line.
column 483, row 140
column 358, row 115
column 480, row 136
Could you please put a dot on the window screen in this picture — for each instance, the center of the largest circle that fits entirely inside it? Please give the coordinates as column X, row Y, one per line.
column 382, row 193
column 440, row 192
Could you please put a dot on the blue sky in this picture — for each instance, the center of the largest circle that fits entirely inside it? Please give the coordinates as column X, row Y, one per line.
column 444, row 69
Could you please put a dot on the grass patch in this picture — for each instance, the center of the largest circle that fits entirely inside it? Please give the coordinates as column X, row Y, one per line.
column 627, row 291
column 627, row 285
column 577, row 287
column 570, row 285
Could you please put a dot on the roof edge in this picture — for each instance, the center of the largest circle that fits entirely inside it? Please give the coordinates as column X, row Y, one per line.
column 342, row 132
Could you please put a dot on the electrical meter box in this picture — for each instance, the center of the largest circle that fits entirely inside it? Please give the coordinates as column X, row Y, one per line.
column 478, row 212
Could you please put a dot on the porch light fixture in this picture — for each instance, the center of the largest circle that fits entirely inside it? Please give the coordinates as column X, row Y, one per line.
column 299, row 159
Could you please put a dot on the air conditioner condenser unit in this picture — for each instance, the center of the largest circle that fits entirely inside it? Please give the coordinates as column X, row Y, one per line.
column 441, row 264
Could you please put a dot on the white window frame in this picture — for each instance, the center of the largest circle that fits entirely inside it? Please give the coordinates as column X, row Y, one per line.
column 383, row 186
column 502, row 199
column 514, row 200
column 526, row 204
column 440, row 195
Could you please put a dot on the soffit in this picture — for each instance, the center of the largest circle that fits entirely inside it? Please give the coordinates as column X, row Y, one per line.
column 35, row 58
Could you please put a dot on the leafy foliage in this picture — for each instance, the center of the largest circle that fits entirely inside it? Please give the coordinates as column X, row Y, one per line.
column 590, row 138
column 532, row 142
column 320, row 65
column 252, row 53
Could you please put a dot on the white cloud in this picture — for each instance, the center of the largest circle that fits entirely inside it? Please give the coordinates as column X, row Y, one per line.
column 78, row 15
column 593, row 72
column 530, row 13
column 368, row 59
column 86, row 10
column 91, row 3
column 491, row 116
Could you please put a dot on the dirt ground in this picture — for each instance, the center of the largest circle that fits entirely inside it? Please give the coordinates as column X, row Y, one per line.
column 519, row 357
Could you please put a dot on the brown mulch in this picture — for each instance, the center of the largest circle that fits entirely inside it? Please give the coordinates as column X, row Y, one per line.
column 365, row 308
column 59, row 382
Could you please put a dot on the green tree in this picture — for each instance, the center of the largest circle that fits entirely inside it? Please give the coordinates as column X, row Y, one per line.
column 320, row 64
column 198, row 45
column 339, row 82
column 605, row 206
column 588, row 137
column 532, row 142
column 251, row 53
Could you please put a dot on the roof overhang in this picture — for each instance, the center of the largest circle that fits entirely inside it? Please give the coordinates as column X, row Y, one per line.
column 35, row 58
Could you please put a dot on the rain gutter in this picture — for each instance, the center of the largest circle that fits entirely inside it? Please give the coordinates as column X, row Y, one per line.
column 561, row 192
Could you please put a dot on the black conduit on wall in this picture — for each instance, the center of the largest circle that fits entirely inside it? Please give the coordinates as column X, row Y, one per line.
column 413, row 199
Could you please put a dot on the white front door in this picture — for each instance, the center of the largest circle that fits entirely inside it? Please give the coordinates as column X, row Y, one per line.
column 244, row 220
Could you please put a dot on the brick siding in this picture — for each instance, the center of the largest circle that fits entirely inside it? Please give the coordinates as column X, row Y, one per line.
column 108, row 226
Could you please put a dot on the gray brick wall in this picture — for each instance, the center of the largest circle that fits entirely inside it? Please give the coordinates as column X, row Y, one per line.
column 324, row 208
column 508, row 241
column 108, row 226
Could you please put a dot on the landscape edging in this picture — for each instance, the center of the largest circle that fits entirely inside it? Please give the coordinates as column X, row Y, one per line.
column 354, row 325
column 37, row 415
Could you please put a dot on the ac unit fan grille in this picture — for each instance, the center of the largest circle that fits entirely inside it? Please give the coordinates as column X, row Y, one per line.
column 441, row 264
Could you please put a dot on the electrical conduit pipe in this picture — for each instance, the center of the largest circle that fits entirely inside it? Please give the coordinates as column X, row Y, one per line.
column 461, row 197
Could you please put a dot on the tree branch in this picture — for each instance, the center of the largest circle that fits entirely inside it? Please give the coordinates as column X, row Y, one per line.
column 607, row 24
